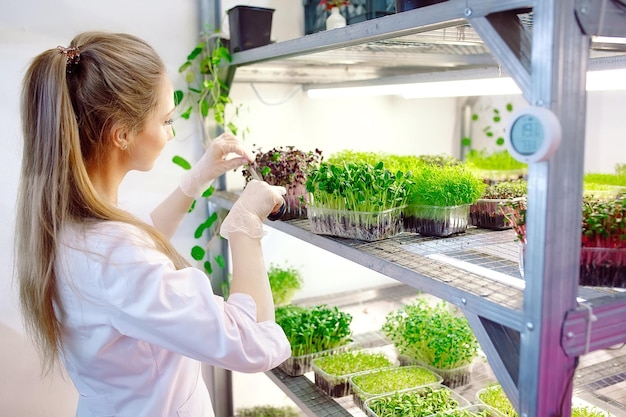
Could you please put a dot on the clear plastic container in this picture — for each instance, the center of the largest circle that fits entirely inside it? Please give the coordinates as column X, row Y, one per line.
column 599, row 267
column 452, row 378
column 419, row 396
column 436, row 221
column 469, row 411
column 491, row 213
column 422, row 377
column 295, row 206
column 603, row 267
column 495, row 398
column 368, row 226
column 299, row 365
column 338, row 385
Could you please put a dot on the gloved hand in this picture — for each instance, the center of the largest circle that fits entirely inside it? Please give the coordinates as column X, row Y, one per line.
column 253, row 206
column 214, row 163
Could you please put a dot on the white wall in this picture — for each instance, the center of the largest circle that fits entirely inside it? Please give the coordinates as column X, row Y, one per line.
column 27, row 27
column 378, row 124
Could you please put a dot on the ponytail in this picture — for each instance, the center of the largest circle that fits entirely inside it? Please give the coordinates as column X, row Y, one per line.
column 71, row 98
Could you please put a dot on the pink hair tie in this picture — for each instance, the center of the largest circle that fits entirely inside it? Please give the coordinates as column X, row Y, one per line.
column 72, row 56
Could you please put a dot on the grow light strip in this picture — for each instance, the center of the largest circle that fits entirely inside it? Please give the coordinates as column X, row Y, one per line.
column 484, row 272
column 599, row 80
column 480, row 270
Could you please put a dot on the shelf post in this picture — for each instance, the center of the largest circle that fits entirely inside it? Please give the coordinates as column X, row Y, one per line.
column 559, row 64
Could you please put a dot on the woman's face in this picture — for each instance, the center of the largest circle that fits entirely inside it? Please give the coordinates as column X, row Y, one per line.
column 146, row 145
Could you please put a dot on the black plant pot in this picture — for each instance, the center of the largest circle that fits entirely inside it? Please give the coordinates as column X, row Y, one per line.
column 402, row 5
column 250, row 27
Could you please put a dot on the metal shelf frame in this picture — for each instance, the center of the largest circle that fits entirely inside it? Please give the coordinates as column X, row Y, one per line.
column 532, row 346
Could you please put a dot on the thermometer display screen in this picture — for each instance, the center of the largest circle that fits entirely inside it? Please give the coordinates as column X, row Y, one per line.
column 527, row 134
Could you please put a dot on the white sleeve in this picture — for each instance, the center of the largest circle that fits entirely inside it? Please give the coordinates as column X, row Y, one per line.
column 176, row 309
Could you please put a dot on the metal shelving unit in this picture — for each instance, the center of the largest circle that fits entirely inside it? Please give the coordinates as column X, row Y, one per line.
column 532, row 334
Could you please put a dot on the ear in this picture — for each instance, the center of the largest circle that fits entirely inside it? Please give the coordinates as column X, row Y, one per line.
column 120, row 138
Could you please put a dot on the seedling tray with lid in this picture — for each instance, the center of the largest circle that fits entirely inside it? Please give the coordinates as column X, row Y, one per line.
column 389, row 380
column 453, row 377
column 416, row 402
column 369, row 226
column 475, row 410
column 299, row 365
column 435, row 221
column 332, row 373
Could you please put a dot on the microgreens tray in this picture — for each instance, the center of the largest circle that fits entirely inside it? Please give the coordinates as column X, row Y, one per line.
column 332, row 373
column 452, row 378
column 389, row 380
column 435, row 221
column 417, row 402
column 491, row 213
column 368, row 226
column 299, row 365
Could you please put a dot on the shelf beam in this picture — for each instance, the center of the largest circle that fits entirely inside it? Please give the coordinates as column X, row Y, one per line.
column 437, row 16
column 306, row 395
column 509, row 41
column 396, row 259
column 601, row 17
column 599, row 325
column 502, row 349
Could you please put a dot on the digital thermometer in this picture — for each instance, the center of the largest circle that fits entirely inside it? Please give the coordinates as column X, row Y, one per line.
column 533, row 134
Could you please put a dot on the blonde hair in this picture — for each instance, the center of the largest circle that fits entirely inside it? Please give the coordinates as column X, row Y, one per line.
column 68, row 108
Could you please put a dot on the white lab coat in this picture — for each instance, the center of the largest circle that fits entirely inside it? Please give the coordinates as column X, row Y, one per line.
column 135, row 329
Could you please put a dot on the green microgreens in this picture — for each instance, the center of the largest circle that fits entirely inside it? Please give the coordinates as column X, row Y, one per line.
column 284, row 165
column 501, row 160
column 393, row 379
column 314, row 329
column 506, row 190
column 284, row 281
column 495, row 397
column 357, row 187
column 433, row 335
column 351, row 362
column 421, row 403
column 440, row 186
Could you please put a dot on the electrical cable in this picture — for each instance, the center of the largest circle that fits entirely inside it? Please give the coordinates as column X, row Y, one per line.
column 289, row 96
column 590, row 319
column 569, row 384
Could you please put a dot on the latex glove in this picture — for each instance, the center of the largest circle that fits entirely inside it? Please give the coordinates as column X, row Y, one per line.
column 214, row 163
column 253, row 206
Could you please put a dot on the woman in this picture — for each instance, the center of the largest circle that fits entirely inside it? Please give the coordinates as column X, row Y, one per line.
column 104, row 292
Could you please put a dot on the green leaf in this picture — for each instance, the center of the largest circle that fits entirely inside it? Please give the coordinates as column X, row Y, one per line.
column 208, row 267
column 181, row 162
column 208, row 192
column 205, row 225
column 187, row 113
column 500, row 141
column 204, row 108
column 221, row 262
column 466, row 142
column 178, row 97
column 193, row 206
column 197, row 253
column 222, row 53
column 197, row 51
column 184, row 67
column 190, row 77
